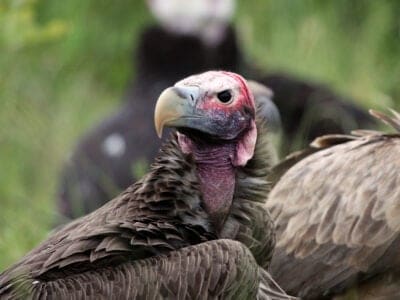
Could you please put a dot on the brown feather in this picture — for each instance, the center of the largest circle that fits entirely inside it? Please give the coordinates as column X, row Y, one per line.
column 337, row 214
column 222, row 269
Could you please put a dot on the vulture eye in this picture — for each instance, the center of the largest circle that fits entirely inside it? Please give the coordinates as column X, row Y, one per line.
column 224, row 96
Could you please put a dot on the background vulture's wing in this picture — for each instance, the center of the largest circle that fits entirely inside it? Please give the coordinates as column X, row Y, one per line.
column 318, row 144
column 310, row 109
column 337, row 216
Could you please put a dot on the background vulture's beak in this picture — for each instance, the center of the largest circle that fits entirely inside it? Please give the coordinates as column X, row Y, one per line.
column 176, row 108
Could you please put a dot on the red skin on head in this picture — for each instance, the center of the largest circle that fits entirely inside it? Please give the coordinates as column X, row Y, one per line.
column 245, row 147
column 214, row 82
column 248, row 98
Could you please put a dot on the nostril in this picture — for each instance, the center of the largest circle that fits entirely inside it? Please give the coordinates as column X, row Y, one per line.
column 191, row 93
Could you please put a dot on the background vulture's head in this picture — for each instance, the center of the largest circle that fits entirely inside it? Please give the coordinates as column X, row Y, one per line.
column 206, row 19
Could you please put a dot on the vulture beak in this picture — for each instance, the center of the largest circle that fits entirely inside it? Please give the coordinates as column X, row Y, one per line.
column 176, row 108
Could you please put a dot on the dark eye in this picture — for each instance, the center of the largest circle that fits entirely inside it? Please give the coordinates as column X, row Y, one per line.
column 224, row 96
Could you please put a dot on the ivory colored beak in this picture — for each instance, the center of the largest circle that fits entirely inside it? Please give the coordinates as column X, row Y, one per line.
column 171, row 106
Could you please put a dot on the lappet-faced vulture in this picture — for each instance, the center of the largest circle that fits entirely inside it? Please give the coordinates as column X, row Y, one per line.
column 194, row 227
column 337, row 215
column 193, row 36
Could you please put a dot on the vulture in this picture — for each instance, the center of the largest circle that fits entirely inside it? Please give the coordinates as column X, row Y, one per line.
column 336, row 207
column 192, row 37
column 194, row 227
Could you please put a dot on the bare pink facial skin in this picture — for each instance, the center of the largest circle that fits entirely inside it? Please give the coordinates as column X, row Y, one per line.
column 209, row 84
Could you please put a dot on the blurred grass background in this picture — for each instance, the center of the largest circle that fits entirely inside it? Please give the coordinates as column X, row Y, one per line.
column 64, row 65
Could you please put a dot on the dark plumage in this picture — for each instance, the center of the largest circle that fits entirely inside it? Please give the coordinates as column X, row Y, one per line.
column 160, row 236
column 309, row 110
column 337, row 217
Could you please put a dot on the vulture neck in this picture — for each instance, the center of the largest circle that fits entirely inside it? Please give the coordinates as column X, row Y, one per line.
column 217, row 179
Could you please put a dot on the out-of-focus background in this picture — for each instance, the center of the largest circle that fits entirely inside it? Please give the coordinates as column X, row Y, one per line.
column 64, row 65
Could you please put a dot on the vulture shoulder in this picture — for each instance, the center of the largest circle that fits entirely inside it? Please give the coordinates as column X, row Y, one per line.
column 337, row 215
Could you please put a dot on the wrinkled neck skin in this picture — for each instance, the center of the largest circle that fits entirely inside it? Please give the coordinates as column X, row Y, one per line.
column 216, row 174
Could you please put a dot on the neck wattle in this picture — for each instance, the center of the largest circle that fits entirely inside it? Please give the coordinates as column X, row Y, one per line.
column 217, row 179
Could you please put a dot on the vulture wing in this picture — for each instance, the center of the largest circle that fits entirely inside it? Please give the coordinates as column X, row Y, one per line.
column 318, row 144
column 221, row 269
column 337, row 217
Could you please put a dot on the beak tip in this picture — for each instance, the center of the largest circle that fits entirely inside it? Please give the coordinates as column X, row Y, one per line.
column 159, row 128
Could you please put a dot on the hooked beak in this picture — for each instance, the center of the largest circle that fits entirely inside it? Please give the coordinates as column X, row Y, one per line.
column 176, row 108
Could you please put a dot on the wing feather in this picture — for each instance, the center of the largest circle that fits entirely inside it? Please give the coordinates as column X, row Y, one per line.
column 223, row 269
column 337, row 210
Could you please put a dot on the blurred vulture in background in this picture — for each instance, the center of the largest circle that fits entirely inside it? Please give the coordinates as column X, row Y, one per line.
column 337, row 216
column 192, row 36
column 194, row 227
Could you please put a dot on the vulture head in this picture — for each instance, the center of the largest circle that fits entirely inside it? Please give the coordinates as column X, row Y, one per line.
column 214, row 114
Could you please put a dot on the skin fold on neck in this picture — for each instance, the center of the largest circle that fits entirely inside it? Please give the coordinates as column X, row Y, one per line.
column 217, row 178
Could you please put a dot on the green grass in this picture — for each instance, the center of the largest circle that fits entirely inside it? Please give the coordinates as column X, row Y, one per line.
column 64, row 65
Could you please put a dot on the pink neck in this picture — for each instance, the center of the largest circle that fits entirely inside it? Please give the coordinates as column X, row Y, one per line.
column 217, row 179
